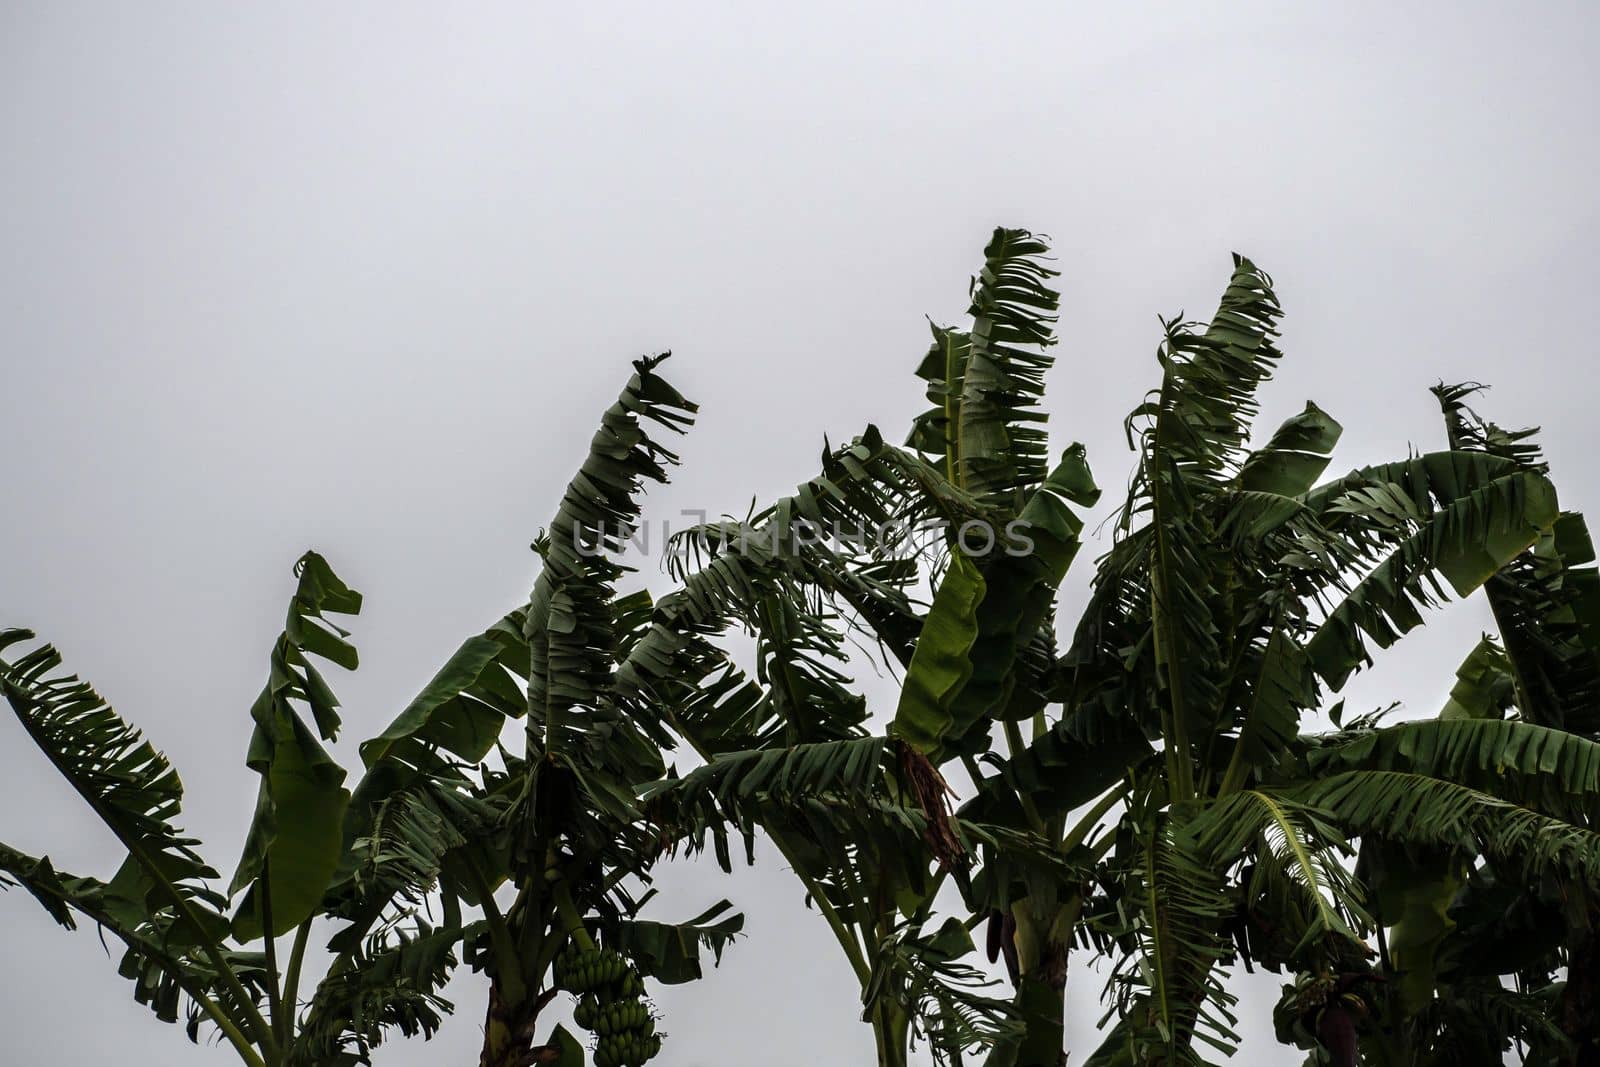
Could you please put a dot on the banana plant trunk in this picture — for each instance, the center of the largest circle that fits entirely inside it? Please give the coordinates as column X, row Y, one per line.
column 891, row 1027
column 1033, row 937
column 1041, row 999
column 1580, row 1003
column 507, row 1032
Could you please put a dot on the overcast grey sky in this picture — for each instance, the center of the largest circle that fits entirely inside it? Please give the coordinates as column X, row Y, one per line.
column 361, row 277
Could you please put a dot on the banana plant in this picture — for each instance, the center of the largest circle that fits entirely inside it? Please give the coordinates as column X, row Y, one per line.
column 1238, row 592
column 549, row 844
column 863, row 819
column 218, row 956
column 1472, row 949
column 866, row 826
column 443, row 817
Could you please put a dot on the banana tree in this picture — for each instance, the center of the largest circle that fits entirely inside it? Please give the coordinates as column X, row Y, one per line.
column 218, row 957
column 556, row 830
column 1473, row 948
column 441, row 819
column 1237, row 593
column 1237, row 590
column 865, row 820
column 866, row 826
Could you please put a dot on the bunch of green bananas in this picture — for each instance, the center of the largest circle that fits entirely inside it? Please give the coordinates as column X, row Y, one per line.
column 626, row 1050
column 609, row 1005
column 589, row 970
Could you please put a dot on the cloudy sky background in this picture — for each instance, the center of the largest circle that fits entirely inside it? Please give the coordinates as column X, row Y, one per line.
column 362, row 279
